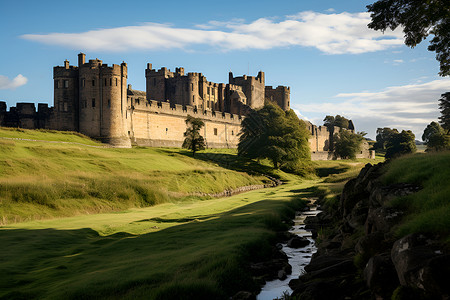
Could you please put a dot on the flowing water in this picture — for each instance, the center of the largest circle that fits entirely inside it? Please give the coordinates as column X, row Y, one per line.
column 298, row 258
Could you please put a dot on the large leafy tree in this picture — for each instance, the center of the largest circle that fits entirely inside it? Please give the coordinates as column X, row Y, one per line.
column 418, row 18
column 444, row 106
column 435, row 138
column 347, row 143
column 383, row 136
column 400, row 143
column 274, row 134
column 193, row 140
column 336, row 121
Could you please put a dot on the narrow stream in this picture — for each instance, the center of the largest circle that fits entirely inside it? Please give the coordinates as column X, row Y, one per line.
column 298, row 258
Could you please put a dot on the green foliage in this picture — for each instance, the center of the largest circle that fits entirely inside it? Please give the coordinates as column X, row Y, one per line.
column 276, row 135
column 383, row 136
column 347, row 144
column 400, row 144
column 444, row 106
column 338, row 121
column 418, row 19
column 435, row 137
column 193, row 140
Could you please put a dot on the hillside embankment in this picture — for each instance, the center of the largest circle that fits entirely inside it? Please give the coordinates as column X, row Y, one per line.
column 386, row 237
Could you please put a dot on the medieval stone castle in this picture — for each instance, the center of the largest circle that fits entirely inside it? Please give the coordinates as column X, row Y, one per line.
column 95, row 99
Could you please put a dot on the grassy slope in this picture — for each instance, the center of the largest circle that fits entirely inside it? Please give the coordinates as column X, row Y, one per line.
column 70, row 179
column 194, row 249
column 429, row 209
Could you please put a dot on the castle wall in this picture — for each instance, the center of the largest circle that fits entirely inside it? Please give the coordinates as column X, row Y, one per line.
column 160, row 124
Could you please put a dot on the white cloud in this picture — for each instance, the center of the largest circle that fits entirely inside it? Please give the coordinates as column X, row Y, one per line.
column 330, row 33
column 411, row 107
column 8, row 84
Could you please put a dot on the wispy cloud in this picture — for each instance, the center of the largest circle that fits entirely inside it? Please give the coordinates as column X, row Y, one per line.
column 330, row 33
column 8, row 84
column 411, row 106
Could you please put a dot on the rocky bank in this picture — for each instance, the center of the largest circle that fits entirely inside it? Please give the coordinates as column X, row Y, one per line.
column 360, row 257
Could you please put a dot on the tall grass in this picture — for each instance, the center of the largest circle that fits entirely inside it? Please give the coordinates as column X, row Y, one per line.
column 429, row 209
column 41, row 180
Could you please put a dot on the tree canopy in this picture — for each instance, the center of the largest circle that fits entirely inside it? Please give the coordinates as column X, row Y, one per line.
column 418, row 18
column 435, row 138
column 383, row 136
column 276, row 135
column 347, row 144
column 193, row 140
column 444, row 106
column 338, row 121
column 400, row 143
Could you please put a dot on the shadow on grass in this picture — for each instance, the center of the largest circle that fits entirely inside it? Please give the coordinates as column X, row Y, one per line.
column 325, row 172
column 212, row 256
column 232, row 162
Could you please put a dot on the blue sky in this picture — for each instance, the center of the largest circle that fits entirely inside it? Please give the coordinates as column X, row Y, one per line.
column 321, row 49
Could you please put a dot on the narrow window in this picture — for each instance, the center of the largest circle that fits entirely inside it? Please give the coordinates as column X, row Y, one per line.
column 66, row 84
column 110, row 82
column 137, row 101
column 207, row 104
column 105, row 81
column 109, row 102
column 116, row 81
column 208, row 90
column 232, row 132
column 215, row 131
column 65, row 107
column 192, row 86
column 83, row 82
column 93, row 102
column 193, row 99
column 93, row 82
column 213, row 90
column 56, row 84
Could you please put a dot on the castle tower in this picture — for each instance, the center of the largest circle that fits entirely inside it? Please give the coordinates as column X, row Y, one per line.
column 156, row 82
column 281, row 96
column 253, row 88
column 66, row 97
column 102, row 94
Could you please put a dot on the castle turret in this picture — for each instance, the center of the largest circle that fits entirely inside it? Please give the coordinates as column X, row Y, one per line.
column 281, row 96
column 66, row 96
column 103, row 92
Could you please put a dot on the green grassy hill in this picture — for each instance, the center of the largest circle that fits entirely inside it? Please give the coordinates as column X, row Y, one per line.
column 93, row 222
column 75, row 175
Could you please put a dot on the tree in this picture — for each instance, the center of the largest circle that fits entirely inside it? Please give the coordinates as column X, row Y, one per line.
column 274, row 134
column 383, row 136
column 338, row 121
column 419, row 18
column 400, row 143
column 347, row 144
column 444, row 106
column 193, row 140
column 435, row 138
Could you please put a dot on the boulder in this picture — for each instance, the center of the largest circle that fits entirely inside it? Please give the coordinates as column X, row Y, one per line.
column 410, row 255
column 380, row 275
column 298, row 242
column 244, row 295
